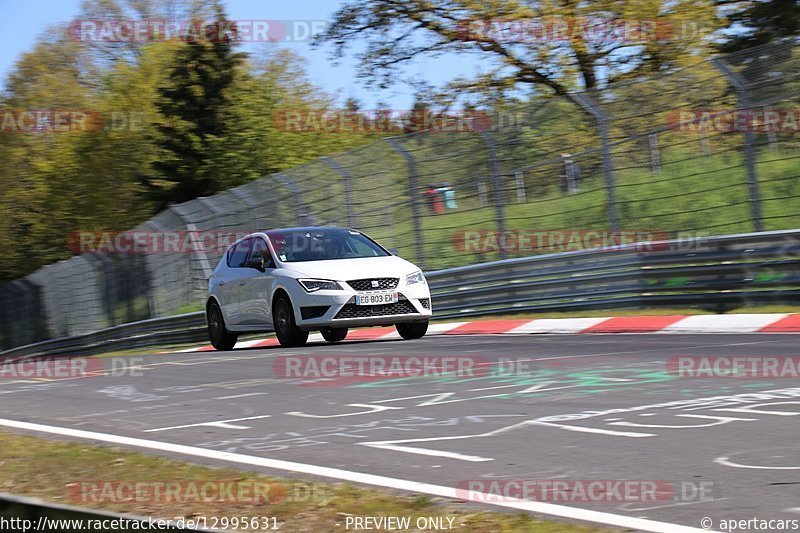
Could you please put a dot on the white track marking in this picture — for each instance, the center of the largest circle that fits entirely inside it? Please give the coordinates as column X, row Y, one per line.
column 214, row 423
column 725, row 461
column 399, row 445
column 435, row 394
column 720, row 420
column 372, row 409
column 575, row 513
column 426, row 451
column 239, row 396
column 557, row 325
column 316, row 337
column 598, row 431
column 744, row 323
column 249, row 344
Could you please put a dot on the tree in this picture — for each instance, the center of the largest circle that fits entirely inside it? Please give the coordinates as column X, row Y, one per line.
column 757, row 22
column 194, row 105
column 419, row 118
column 200, row 110
column 562, row 54
column 352, row 104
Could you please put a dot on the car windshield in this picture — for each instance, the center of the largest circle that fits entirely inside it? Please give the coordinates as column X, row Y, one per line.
column 323, row 244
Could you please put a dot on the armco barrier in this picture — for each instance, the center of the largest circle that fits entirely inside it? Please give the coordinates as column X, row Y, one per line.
column 717, row 273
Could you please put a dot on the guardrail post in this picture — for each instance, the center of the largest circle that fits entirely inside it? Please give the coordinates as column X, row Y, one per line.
column 601, row 118
column 497, row 196
column 413, row 192
column 348, row 189
column 743, row 97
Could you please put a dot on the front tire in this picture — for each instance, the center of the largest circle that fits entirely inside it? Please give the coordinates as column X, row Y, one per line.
column 286, row 329
column 221, row 339
column 334, row 334
column 412, row 330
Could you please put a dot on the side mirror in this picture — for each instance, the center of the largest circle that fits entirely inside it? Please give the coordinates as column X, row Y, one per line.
column 258, row 264
column 394, row 251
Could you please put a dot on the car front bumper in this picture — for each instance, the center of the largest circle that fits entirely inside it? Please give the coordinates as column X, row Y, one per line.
column 338, row 308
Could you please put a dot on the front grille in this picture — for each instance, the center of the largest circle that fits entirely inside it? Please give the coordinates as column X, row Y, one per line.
column 402, row 307
column 366, row 284
column 425, row 302
column 314, row 311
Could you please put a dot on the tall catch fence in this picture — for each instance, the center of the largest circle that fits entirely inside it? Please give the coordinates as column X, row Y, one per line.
column 710, row 149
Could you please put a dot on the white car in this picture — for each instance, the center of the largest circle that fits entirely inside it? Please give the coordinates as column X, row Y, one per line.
column 297, row 280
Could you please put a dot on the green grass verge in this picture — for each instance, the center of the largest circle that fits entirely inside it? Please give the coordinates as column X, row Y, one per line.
column 53, row 471
column 693, row 194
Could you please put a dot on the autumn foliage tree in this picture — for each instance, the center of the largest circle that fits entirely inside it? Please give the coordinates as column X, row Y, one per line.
column 555, row 46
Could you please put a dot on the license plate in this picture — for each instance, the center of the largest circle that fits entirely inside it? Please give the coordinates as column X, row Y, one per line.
column 378, row 298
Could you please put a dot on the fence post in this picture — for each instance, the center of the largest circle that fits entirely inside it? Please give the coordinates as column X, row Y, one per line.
column 249, row 203
column 519, row 180
column 743, row 97
column 497, row 193
column 198, row 256
column 304, row 214
column 413, row 191
column 483, row 195
column 601, row 118
column 348, row 189
column 655, row 155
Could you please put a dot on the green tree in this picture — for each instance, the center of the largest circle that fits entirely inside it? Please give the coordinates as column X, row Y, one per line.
column 758, row 22
column 194, row 104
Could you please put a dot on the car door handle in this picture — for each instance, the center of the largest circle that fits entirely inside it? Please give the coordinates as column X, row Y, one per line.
column 221, row 283
column 241, row 283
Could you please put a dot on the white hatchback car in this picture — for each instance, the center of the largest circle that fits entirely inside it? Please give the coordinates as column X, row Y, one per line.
column 297, row 280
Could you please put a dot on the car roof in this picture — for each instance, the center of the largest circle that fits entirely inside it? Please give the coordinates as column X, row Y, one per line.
column 304, row 228
column 299, row 228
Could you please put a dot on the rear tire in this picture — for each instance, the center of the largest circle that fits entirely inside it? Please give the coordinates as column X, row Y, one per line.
column 286, row 329
column 218, row 334
column 334, row 334
column 412, row 330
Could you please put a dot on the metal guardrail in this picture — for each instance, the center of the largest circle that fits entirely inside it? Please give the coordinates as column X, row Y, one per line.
column 29, row 514
column 189, row 327
column 718, row 273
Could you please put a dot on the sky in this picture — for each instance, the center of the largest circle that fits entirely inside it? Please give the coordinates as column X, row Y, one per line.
column 25, row 20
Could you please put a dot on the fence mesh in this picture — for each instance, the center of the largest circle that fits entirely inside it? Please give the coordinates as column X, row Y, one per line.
column 712, row 148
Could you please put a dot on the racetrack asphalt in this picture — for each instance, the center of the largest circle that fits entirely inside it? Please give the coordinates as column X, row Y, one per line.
column 718, row 447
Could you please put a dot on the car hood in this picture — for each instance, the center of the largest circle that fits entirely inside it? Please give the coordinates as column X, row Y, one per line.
column 359, row 268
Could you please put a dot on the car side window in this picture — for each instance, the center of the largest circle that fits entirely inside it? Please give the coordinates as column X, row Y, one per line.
column 260, row 250
column 238, row 254
column 363, row 250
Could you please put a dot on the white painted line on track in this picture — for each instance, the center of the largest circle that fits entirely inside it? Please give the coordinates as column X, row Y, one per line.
column 630, row 522
column 239, row 396
column 725, row 461
column 226, row 424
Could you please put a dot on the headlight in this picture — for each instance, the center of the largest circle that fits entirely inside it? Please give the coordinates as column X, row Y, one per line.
column 414, row 278
column 313, row 285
